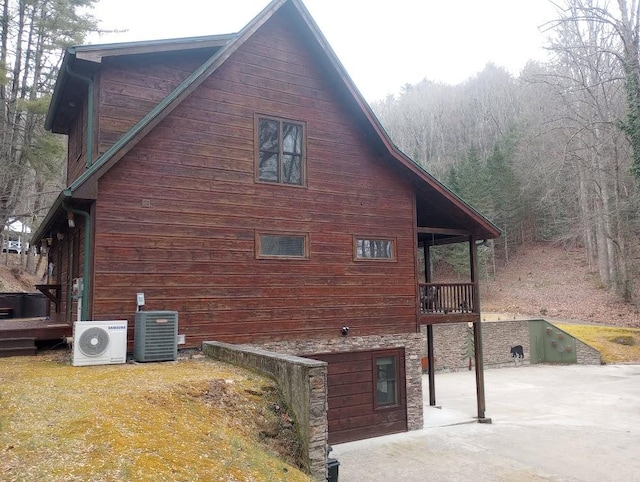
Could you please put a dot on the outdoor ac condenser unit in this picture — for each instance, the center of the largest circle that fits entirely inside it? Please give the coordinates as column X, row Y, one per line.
column 156, row 336
column 99, row 342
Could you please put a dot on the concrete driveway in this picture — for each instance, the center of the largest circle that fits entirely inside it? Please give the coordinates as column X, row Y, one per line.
column 560, row 423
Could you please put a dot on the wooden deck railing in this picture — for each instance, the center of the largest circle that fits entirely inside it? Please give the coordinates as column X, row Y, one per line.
column 447, row 298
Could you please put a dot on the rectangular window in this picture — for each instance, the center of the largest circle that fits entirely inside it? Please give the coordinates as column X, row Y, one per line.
column 386, row 381
column 374, row 249
column 280, row 151
column 282, row 246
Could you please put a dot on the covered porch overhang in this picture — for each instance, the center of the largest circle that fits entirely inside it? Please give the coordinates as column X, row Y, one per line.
column 443, row 219
column 451, row 302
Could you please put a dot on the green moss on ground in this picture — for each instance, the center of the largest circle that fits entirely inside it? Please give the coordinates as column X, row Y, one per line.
column 189, row 420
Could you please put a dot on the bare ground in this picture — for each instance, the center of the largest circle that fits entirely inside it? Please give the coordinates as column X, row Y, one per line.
column 14, row 278
column 548, row 281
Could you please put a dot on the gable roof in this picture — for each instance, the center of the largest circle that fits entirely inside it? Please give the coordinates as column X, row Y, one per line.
column 85, row 186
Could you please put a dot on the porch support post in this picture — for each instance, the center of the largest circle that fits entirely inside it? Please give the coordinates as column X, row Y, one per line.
column 431, row 367
column 432, row 375
column 427, row 263
column 477, row 333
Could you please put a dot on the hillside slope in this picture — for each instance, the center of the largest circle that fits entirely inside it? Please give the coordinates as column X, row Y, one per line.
column 13, row 278
column 546, row 280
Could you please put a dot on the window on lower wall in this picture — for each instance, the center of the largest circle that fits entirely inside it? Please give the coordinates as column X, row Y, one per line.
column 386, row 370
column 278, row 245
column 374, row 249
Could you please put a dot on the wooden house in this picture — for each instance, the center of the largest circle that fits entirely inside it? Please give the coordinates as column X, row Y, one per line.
column 243, row 181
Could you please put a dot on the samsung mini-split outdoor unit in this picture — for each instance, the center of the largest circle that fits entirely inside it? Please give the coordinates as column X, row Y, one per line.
column 156, row 336
column 99, row 342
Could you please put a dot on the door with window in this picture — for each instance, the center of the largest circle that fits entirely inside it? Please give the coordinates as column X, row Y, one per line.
column 366, row 394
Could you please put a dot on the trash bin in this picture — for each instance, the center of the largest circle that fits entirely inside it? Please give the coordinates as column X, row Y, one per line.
column 332, row 465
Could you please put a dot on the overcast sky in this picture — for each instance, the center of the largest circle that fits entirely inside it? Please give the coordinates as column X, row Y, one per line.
column 383, row 44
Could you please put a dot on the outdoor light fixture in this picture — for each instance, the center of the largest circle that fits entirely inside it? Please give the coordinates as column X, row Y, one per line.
column 60, row 236
column 71, row 220
column 345, row 330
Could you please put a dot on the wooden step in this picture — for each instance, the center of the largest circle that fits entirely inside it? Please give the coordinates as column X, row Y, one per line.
column 20, row 351
column 17, row 346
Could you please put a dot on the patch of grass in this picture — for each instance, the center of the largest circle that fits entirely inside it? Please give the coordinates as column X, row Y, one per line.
column 190, row 420
column 616, row 345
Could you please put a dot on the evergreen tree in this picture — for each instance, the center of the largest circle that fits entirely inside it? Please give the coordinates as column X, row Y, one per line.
column 32, row 35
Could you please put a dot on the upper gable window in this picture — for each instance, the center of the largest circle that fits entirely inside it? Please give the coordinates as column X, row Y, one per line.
column 280, row 151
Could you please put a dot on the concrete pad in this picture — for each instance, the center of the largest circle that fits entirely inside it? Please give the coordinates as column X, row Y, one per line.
column 558, row 423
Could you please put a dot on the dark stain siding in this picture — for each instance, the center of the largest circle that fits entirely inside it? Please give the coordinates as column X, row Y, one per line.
column 177, row 217
column 129, row 89
column 352, row 414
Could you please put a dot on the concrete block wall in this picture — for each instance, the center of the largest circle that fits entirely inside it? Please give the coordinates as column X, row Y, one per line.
column 303, row 383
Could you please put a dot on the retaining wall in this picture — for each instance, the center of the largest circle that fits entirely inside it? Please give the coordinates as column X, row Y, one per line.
column 303, row 383
column 497, row 339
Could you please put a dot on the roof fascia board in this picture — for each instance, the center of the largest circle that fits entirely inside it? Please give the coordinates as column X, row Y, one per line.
column 58, row 89
column 161, row 110
column 46, row 223
column 95, row 53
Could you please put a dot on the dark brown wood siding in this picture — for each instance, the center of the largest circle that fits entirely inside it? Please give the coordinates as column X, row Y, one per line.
column 129, row 89
column 67, row 255
column 177, row 217
column 352, row 413
column 77, row 141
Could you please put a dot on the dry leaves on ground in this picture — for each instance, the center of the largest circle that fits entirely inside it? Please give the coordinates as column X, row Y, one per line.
column 550, row 282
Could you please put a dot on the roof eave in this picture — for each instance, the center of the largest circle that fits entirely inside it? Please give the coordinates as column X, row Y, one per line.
column 47, row 223
column 161, row 110
column 491, row 229
column 69, row 56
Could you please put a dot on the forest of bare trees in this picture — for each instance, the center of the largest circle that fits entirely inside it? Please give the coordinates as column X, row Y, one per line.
column 553, row 154
column 33, row 34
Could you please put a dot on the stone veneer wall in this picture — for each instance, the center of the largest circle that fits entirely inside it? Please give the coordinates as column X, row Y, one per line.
column 413, row 344
column 587, row 355
column 303, row 383
column 497, row 339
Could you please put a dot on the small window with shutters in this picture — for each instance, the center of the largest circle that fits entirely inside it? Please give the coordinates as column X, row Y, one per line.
column 282, row 246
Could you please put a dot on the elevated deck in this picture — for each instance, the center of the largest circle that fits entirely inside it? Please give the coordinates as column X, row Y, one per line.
column 448, row 303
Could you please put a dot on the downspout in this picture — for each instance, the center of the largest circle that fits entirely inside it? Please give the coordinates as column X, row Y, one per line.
column 89, row 81
column 87, row 257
